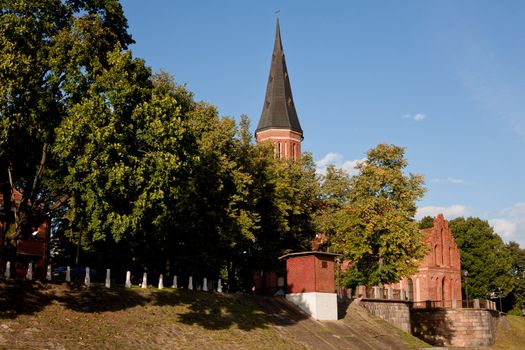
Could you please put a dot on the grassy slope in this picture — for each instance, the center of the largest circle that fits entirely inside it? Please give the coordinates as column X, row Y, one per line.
column 510, row 334
column 56, row 317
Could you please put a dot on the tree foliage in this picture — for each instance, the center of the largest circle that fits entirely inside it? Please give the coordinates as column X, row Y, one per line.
column 51, row 52
column 484, row 256
column 376, row 230
column 517, row 295
column 426, row 222
column 132, row 171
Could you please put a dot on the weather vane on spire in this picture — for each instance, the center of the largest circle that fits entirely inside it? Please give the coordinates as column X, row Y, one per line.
column 277, row 13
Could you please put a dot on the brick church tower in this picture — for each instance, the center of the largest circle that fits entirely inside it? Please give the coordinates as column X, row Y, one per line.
column 279, row 122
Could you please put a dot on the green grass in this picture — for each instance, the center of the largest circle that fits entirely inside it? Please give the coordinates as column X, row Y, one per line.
column 408, row 339
column 510, row 334
column 57, row 316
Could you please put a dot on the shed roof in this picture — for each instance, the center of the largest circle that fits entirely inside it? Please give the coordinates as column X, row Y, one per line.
column 292, row 255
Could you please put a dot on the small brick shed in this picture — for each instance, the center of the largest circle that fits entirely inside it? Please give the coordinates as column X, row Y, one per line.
column 310, row 283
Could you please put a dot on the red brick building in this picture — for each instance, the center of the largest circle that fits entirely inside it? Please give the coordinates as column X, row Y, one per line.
column 439, row 275
column 279, row 122
column 310, row 283
column 310, row 272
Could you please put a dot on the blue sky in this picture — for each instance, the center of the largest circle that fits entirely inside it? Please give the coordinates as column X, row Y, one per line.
column 445, row 79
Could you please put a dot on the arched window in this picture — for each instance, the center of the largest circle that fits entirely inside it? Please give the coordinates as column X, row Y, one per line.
column 410, row 290
column 437, row 254
column 443, row 294
column 443, row 245
column 418, row 288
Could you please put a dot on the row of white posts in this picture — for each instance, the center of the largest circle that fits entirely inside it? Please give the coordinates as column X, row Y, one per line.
column 144, row 283
column 87, row 279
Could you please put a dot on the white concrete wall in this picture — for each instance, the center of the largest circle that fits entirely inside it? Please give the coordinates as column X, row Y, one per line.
column 321, row 306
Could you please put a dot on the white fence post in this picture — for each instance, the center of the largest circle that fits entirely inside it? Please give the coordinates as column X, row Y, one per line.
column 48, row 274
column 87, row 279
column 144, row 280
column 29, row 273
column 161, row 282
column 128, row 279
column 7, row 272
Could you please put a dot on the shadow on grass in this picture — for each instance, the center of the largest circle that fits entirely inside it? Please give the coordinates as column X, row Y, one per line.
column 208, row 310
column 22, row 297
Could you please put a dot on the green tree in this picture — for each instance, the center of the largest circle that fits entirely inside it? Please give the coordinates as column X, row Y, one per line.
column 484, row 256
column 517, row 295
column 377, row 231
column 285, row 193
column 132, row 170
column 426, row 222
column 219, row 215
column 126, row 151
column 50, row 53
column 335, row 188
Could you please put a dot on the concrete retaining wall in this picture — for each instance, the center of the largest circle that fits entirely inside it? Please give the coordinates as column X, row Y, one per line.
column 321, row 306
column 394, row 312
column 459, row 327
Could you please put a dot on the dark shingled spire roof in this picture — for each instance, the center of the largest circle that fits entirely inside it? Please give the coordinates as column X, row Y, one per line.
column 278, row 110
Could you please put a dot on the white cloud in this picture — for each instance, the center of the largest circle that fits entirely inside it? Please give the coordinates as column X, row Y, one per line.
column 416, row 117
column 452, row 181
column 330, row 158
column 503, row 227
column 510, row 223
column 350, row 166
column 450, row 212
column 338, row 161
column 419, row 117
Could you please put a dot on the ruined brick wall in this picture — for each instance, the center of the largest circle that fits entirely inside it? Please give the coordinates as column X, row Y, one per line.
column 396, row 313
column 439, row 275
column 459, row 327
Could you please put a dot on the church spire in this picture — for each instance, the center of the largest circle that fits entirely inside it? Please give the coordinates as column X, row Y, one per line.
column 279, row 122
column 279, row 109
